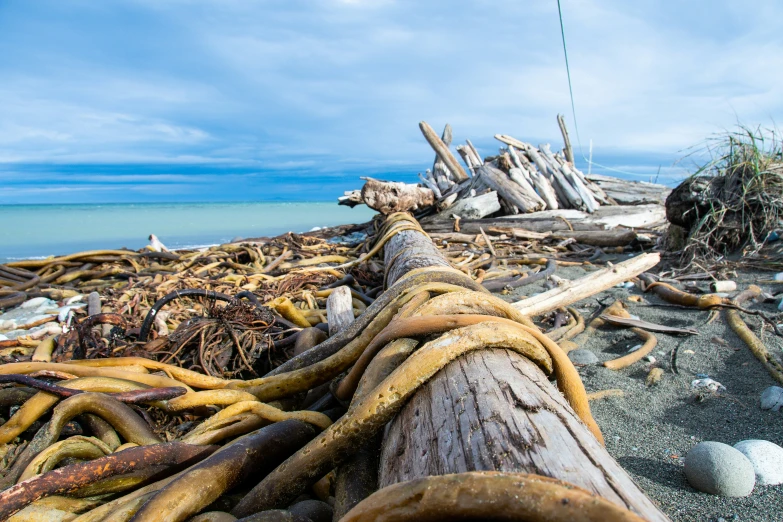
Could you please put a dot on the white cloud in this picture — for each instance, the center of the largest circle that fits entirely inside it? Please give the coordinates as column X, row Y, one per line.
column 303, row 83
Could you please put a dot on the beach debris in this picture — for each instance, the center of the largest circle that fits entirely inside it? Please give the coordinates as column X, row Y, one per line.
column 772, row 398
column 733, row 203
column 654, row 376
column 156, row 245
column 602, row 394
column 719, row 469
column 582, row 357
column 388, row 197
column 723, row 286
column 766, row 458
column 707, row 384
column 628, row 321
column 521, row 180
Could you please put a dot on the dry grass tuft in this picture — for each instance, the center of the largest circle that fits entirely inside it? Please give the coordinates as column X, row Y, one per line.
column 736, row 199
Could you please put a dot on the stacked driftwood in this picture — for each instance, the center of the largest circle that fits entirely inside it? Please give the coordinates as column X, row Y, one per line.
column 521, row 179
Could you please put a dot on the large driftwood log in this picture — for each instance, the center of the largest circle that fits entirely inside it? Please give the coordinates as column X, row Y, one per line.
column 390, row 196
column 606, row 217
column 494, row 410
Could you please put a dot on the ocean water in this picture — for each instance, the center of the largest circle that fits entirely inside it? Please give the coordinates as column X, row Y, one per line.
column 28, row 231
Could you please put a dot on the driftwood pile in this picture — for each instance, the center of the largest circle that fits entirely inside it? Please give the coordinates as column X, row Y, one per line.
column 521, row 179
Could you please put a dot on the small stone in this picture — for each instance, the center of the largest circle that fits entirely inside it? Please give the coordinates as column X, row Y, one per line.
column 93, row 303
column 767, row 460
column 772, row 398
column 719, row 469
column 582, row 357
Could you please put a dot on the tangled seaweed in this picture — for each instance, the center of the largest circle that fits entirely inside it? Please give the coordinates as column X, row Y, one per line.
column 204, row 374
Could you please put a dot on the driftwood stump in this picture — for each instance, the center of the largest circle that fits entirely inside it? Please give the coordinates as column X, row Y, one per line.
column 391, row 196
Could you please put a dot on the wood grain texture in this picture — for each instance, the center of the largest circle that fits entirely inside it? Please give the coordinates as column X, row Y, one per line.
column 495, row 410
column 408, row 250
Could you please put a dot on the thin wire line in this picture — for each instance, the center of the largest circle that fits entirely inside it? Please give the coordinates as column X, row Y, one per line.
column 573, row 105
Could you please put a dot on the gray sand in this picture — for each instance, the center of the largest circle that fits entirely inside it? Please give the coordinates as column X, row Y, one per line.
column 649, row 430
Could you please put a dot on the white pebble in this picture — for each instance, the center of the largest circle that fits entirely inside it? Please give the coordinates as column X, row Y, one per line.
column 710, row 384
column 772, row 398
column 767, row 460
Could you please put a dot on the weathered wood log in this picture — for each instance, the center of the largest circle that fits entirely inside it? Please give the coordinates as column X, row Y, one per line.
column 512, row 193
column 390, row 196
column 494, row 410
column 602, row 238
column 606, row 217
column 570, row 176
column 430, row 184
column 587, row 286
column 442, row 150
column 569, row 152
column 351, row 198
column 446, row 137
column 631, row 192
column 467, row 156
column 469, row 208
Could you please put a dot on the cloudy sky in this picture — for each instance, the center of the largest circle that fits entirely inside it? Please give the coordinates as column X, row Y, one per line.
column 187, row 100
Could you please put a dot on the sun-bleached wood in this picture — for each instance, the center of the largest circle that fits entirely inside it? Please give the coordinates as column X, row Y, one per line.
column 442, row 150
column 391, row 196
column 339, row 309
column 586, row 286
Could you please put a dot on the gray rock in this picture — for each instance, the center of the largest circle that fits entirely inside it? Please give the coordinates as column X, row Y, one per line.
column 772, row 398
column 719, row 469
column 93, row 303
column 766, row 458
column 582, row 357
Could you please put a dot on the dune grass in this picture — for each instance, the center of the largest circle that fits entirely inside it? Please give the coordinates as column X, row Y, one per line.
column 741, row 201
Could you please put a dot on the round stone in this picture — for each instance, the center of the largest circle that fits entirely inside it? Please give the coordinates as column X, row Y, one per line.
column 772, row 398
column 766, row 458
column 582, row 357
column 719, row 469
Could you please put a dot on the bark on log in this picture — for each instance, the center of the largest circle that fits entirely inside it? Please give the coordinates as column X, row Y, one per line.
column 494, row 410
column 442, row 150
column 388, row 197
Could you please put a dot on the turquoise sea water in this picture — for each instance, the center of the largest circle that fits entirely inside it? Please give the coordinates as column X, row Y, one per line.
column 42, row 230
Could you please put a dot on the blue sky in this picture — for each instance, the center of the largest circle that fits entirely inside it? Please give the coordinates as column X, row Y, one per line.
column 178, row 100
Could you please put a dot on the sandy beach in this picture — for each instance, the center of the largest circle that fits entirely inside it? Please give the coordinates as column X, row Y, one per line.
column 649, row 430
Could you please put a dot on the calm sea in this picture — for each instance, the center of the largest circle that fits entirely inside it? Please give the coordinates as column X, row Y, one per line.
column 28, row 231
